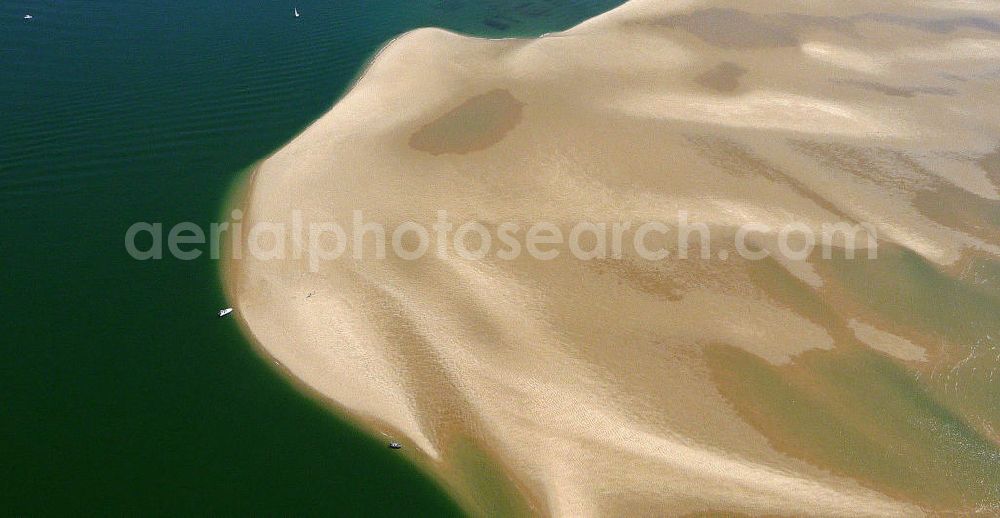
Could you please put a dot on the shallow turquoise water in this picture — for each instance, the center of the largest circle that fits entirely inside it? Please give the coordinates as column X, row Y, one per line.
column 119, row 389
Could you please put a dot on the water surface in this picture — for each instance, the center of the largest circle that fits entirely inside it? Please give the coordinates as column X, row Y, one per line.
column 121, row 390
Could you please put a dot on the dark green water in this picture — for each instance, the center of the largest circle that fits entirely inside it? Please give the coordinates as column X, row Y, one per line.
column 119, row 389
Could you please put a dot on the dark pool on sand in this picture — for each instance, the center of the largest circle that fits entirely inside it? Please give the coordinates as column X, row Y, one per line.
column 120, row 390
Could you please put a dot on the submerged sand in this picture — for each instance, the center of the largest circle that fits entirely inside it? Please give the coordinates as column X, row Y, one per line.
column 627, row 387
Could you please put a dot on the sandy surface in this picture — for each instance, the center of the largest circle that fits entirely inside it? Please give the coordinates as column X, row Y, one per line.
column 622, row 387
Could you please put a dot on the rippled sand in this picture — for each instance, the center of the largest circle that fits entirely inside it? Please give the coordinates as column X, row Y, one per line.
column 626, row 387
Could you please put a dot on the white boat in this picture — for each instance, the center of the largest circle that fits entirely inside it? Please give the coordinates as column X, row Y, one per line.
column 224, row 312
column 296, row 10
column 29, row 17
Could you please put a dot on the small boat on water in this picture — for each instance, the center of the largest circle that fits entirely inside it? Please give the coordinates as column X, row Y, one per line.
column 29, row 17
column 395, row 445
column 296, row 11
column 224, row 312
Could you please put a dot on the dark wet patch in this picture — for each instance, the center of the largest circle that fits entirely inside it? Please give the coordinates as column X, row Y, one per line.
column 991, row 164
column 476, row 124
column 731, row 28
column 935, row 198
column 882, row 88
column 724, row 77
column 886, row 167
column 647, row 279
column 935, row 90
column 738, row 161
column 978, row 217
column 940, row 25
column 897, row 91
column 832, row 23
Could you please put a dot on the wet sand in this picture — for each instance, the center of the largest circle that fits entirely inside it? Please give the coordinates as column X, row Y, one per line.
column 476, row 124
column 635, row 387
